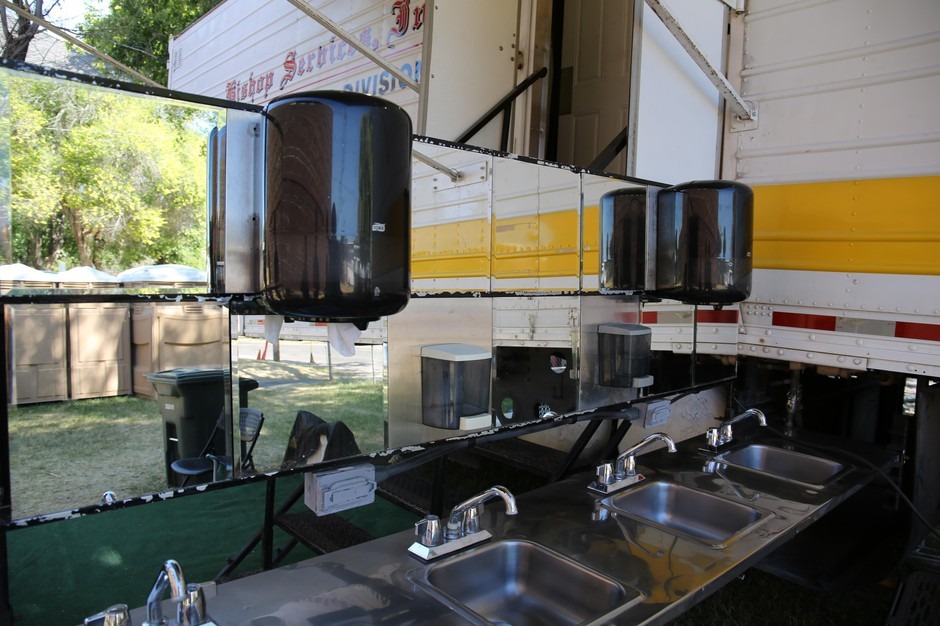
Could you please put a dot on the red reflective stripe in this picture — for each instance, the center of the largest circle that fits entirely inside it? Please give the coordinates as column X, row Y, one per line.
column 725, row 316
column 803, row 320
column 650, row 317
column 629, row 317
column 912, row 330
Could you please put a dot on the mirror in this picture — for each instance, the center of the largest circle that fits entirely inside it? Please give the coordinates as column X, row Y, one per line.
column 104, row 191
column 135, row 373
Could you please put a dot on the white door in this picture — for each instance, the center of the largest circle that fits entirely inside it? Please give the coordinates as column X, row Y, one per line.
column 595, row 75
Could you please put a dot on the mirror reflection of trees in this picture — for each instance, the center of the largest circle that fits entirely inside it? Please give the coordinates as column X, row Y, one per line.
column 104, row 180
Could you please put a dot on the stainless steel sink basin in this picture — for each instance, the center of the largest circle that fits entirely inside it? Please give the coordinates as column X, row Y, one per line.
column 688, row 512
column 789, row 465
column 522, row 583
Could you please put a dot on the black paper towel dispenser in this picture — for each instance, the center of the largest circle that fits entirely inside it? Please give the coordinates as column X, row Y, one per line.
column 704, row 236
column 623, row 226
column 337, row 218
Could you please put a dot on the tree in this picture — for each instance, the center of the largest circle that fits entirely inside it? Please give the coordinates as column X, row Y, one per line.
column 137, row 32
column 105, row 179
column 18, row 31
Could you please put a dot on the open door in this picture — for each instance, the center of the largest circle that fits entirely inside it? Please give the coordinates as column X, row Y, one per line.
column 622, row 69
column 594, row 91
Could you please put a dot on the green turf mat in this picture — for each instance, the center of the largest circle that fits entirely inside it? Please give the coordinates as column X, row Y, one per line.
column 61, row 572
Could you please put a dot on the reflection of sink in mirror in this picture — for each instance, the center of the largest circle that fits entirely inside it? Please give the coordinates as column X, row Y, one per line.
column 787, row 464
column 687, row 512
column 520, row 582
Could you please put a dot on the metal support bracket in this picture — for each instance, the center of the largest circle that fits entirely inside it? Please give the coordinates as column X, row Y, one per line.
column 453, row 174
column 743, row 109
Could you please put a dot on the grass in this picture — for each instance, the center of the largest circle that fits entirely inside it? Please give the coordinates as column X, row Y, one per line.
column 290, row 387
column 67, row 454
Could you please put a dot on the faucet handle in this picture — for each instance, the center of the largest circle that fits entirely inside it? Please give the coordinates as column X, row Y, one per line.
column 712, row 437
column 606, row 474
column 116, row 615
column 192, row 608
column 429, row 531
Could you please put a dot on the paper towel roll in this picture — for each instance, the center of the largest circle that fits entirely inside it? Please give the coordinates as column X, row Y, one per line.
column 343, row 337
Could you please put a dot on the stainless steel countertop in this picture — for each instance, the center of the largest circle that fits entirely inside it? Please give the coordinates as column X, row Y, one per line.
column 372, row 583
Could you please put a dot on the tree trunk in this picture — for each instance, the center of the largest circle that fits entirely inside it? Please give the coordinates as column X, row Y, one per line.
column 78, row 232
column 18, row 37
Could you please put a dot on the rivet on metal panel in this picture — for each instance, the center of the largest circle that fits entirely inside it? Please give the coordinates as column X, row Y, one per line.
column 810, row 355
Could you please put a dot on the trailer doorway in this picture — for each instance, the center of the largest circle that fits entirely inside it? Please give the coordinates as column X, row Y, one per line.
column 594, row 78
column 626, row 96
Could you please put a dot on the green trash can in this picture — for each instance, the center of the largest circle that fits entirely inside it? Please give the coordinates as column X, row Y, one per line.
column 190, row 401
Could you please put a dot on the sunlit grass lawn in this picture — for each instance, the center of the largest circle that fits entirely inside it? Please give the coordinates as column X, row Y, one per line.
column 67, row 454
column 290, row 387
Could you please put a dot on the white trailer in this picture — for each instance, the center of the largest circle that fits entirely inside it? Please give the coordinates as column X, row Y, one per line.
column 826, row 109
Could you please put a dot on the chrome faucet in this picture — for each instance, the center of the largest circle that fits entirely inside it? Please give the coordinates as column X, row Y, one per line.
column 621, row 472
column 190, row 603
column 463, row 526
column 170, row 575
column 465, row 518
column 723, row 435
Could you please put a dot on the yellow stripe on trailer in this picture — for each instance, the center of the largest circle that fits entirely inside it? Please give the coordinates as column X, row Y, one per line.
column 515, row 247
column 559, row 244
column 886, row 226
column 453, row 250
column 591, row 240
